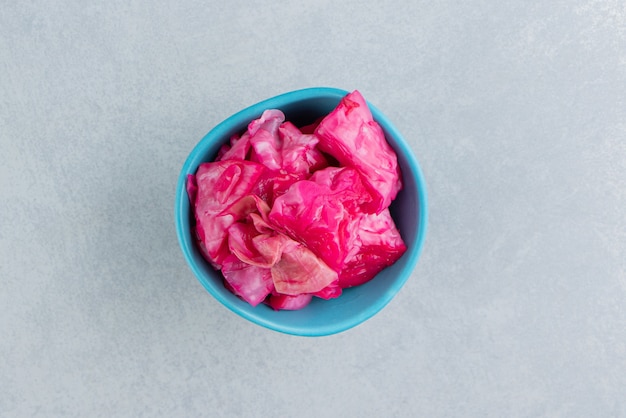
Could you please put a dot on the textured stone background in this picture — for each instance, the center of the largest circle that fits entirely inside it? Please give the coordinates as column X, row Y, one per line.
column 515, row 110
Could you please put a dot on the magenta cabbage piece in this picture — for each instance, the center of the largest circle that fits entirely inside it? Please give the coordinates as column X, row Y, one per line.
column 289, row 303
column 283, row 223
column 350, row 135
column 308, row 212
column 379, row 245
column 237, row 150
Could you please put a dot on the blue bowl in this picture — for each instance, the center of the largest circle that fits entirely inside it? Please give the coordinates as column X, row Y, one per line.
column 355, row 305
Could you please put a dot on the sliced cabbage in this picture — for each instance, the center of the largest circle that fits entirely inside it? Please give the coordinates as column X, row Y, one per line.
column 283, row 222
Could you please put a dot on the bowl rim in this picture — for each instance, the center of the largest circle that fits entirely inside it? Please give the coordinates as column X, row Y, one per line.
column 251, row 112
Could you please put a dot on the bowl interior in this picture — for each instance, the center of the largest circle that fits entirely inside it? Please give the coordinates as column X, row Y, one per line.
column 320, row 317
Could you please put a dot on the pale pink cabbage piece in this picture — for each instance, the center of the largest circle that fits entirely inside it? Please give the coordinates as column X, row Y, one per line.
column 241, row 244
column 282, row 146
column 252, row 283
column 299, row 152
column 300, row 271
column 293, row 268
column 260, row 223
column 350, row 135
column 219, row 186
column 264, row 139
column 253, row 241
column 270, row 246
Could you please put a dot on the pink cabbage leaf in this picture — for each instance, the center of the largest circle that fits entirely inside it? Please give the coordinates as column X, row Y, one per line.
column 350, row 135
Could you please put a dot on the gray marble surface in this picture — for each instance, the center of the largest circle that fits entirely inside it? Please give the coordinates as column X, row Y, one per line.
column 515, row 110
